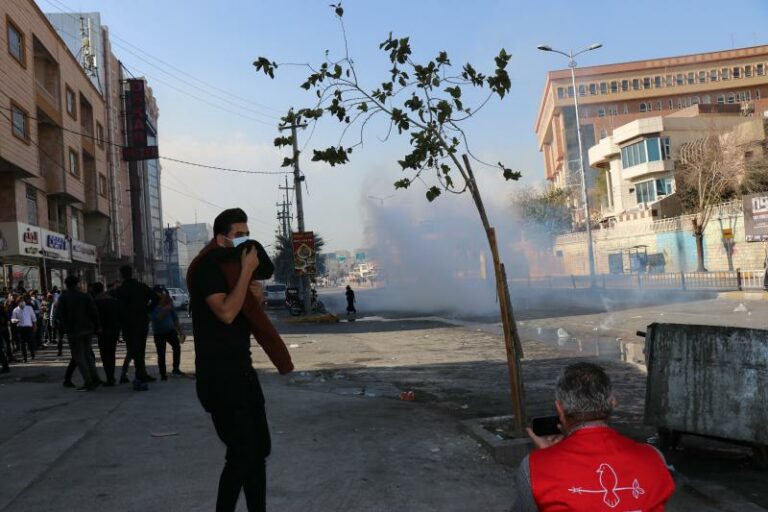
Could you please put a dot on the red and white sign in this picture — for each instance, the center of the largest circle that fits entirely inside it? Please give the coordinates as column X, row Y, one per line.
column 19, row 239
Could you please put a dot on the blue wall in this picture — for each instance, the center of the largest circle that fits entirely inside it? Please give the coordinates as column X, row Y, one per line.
column 679, row 251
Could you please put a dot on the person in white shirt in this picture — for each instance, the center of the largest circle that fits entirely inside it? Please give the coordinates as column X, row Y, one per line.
column 26, row 323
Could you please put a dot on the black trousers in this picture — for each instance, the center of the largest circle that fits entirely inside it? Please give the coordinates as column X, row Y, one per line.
column 136, row 343
column 27, row 341
column 107, row 349
column 237, row 409
column 171, row 338
column 5, row 342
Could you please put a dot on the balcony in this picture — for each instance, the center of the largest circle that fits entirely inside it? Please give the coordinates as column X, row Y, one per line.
column 96, row 201
column 86, row 126
column 47, row 81
column 647, row 170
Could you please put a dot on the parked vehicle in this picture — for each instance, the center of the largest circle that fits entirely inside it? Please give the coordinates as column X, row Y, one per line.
column 295, row 302
column 179, row 297
column 274, row 294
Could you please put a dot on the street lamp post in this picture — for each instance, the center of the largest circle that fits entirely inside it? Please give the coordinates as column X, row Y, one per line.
column 585, row 195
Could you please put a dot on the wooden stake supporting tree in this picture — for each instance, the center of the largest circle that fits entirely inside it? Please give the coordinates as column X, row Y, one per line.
column 425, row 101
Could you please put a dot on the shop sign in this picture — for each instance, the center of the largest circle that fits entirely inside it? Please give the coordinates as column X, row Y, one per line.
column 55, row 246
column 84, row 252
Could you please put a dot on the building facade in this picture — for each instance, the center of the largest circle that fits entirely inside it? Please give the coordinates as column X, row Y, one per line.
column 613, row 95
column 54, row 177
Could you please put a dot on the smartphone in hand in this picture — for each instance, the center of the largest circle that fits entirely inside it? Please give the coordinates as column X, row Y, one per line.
column 546, row 426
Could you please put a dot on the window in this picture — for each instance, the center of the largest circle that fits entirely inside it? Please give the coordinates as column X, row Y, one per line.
column 725, row 73
column 99, row 135
column 736, row 72
column 706, row 100
column 702, row 76
column 16, row 46
column 731, row 98
column 625, row 109
column 603, row 133
column 625, row 85
column 19, row 122
column 721, row 99
column 666, row 148
column 603, row 87
column 665, row 187
column 713, row 75
column 695, row 100
column 680, row 79
column 71, row 103
column 635, row 84
column 647, row 82
column 102, row 185
column 643, row 107
column 592, row 89
column 653, row 149
column 645, row 192
column 614, row 87
column 613, row 110
column 75, row 224
column 670, row 80
column 570, row 92
column 560, row 93
column 657, row 82
column 757, row 94
column 691, row 78
column 600, row 111
column 671, row 104
column 74, row 163
column 584, row 112
column 747, row 71
column 760, row 69
column 32, row 217
column 582, row 90
column 659, row 105
column 742, row 96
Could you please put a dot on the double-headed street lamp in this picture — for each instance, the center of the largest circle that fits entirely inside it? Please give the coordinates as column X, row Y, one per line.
column 585, row 196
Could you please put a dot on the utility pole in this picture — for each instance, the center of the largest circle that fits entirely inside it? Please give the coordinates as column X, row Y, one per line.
column 297, row 180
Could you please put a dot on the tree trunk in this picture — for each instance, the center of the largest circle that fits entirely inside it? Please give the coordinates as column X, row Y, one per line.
column 511, row 336
column 699, row 234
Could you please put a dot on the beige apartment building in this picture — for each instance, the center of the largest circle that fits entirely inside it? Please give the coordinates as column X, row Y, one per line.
column 54, row 186
column 611, row 96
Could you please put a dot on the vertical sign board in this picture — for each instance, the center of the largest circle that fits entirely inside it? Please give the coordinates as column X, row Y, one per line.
column 304, row 256
column 136, row 123
column 756, row 217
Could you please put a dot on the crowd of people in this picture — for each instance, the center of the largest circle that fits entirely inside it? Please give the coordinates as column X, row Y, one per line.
column 32, row 321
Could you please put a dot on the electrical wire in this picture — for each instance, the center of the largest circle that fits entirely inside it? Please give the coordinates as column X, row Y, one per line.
column 168, row 158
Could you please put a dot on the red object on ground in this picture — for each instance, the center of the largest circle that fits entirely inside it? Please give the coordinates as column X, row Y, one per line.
column 408, row 396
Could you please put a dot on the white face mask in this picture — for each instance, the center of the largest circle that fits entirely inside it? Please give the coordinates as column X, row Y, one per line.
column 239, row 240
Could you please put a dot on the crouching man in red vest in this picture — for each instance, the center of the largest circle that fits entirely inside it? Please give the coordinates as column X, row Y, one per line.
column 591, row 467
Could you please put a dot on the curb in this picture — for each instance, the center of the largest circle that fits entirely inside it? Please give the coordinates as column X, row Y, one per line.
column 509, row 452
column 744, row 296
column 314, row 319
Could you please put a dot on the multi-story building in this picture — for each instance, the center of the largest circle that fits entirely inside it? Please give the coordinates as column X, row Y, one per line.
column 54, row 176
column 639, row 158
column 197, row 236
column 137, row 237
column 612, row 95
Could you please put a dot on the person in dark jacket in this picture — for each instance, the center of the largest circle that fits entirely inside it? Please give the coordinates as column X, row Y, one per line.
column 136, row 302
column 109, row 316
column 78, row 315
column 165, row 328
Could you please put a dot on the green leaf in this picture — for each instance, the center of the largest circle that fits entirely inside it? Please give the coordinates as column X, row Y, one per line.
column 332, row 156
column 264, row 64
column 442, row 59
column 404, row 183
column 283, row 141
column 433, row 193
column 287, row 162
column 363, row 107
column 509, row 174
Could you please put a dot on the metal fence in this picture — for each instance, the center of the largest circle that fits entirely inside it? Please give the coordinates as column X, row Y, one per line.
column 726, row 280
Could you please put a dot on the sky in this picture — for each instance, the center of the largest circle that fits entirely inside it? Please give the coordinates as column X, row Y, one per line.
column 217, row 110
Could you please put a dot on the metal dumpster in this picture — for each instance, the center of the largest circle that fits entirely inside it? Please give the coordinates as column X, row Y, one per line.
column 710, row 381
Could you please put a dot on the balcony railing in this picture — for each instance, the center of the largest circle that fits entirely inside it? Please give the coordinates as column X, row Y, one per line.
column 52, row 98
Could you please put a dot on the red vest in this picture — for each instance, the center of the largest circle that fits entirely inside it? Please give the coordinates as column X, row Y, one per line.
column 597, row 469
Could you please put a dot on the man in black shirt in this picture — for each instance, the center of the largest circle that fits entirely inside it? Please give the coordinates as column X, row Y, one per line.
column 109, row 315
column 136, row 301
column 227, row 385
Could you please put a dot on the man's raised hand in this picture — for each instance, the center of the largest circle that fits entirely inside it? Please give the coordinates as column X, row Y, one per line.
column 249, row 259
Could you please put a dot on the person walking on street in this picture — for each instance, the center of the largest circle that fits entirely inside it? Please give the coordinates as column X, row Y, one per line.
column 136, row 302
column 351, row 311
column 227, row 385
column 56, row 328
column 78, row 315
column 109, row 317
column 165, row 327
column 26, row 322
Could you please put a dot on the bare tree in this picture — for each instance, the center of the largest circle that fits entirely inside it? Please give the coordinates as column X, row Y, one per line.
column 709, row 173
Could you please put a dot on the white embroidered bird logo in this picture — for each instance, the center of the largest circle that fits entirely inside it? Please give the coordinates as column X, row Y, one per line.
column 609, row 487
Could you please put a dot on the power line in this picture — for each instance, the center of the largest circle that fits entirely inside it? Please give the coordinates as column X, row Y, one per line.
column 171, row 159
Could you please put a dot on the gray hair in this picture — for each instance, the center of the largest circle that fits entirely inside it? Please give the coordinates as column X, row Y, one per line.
column 585, row 393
